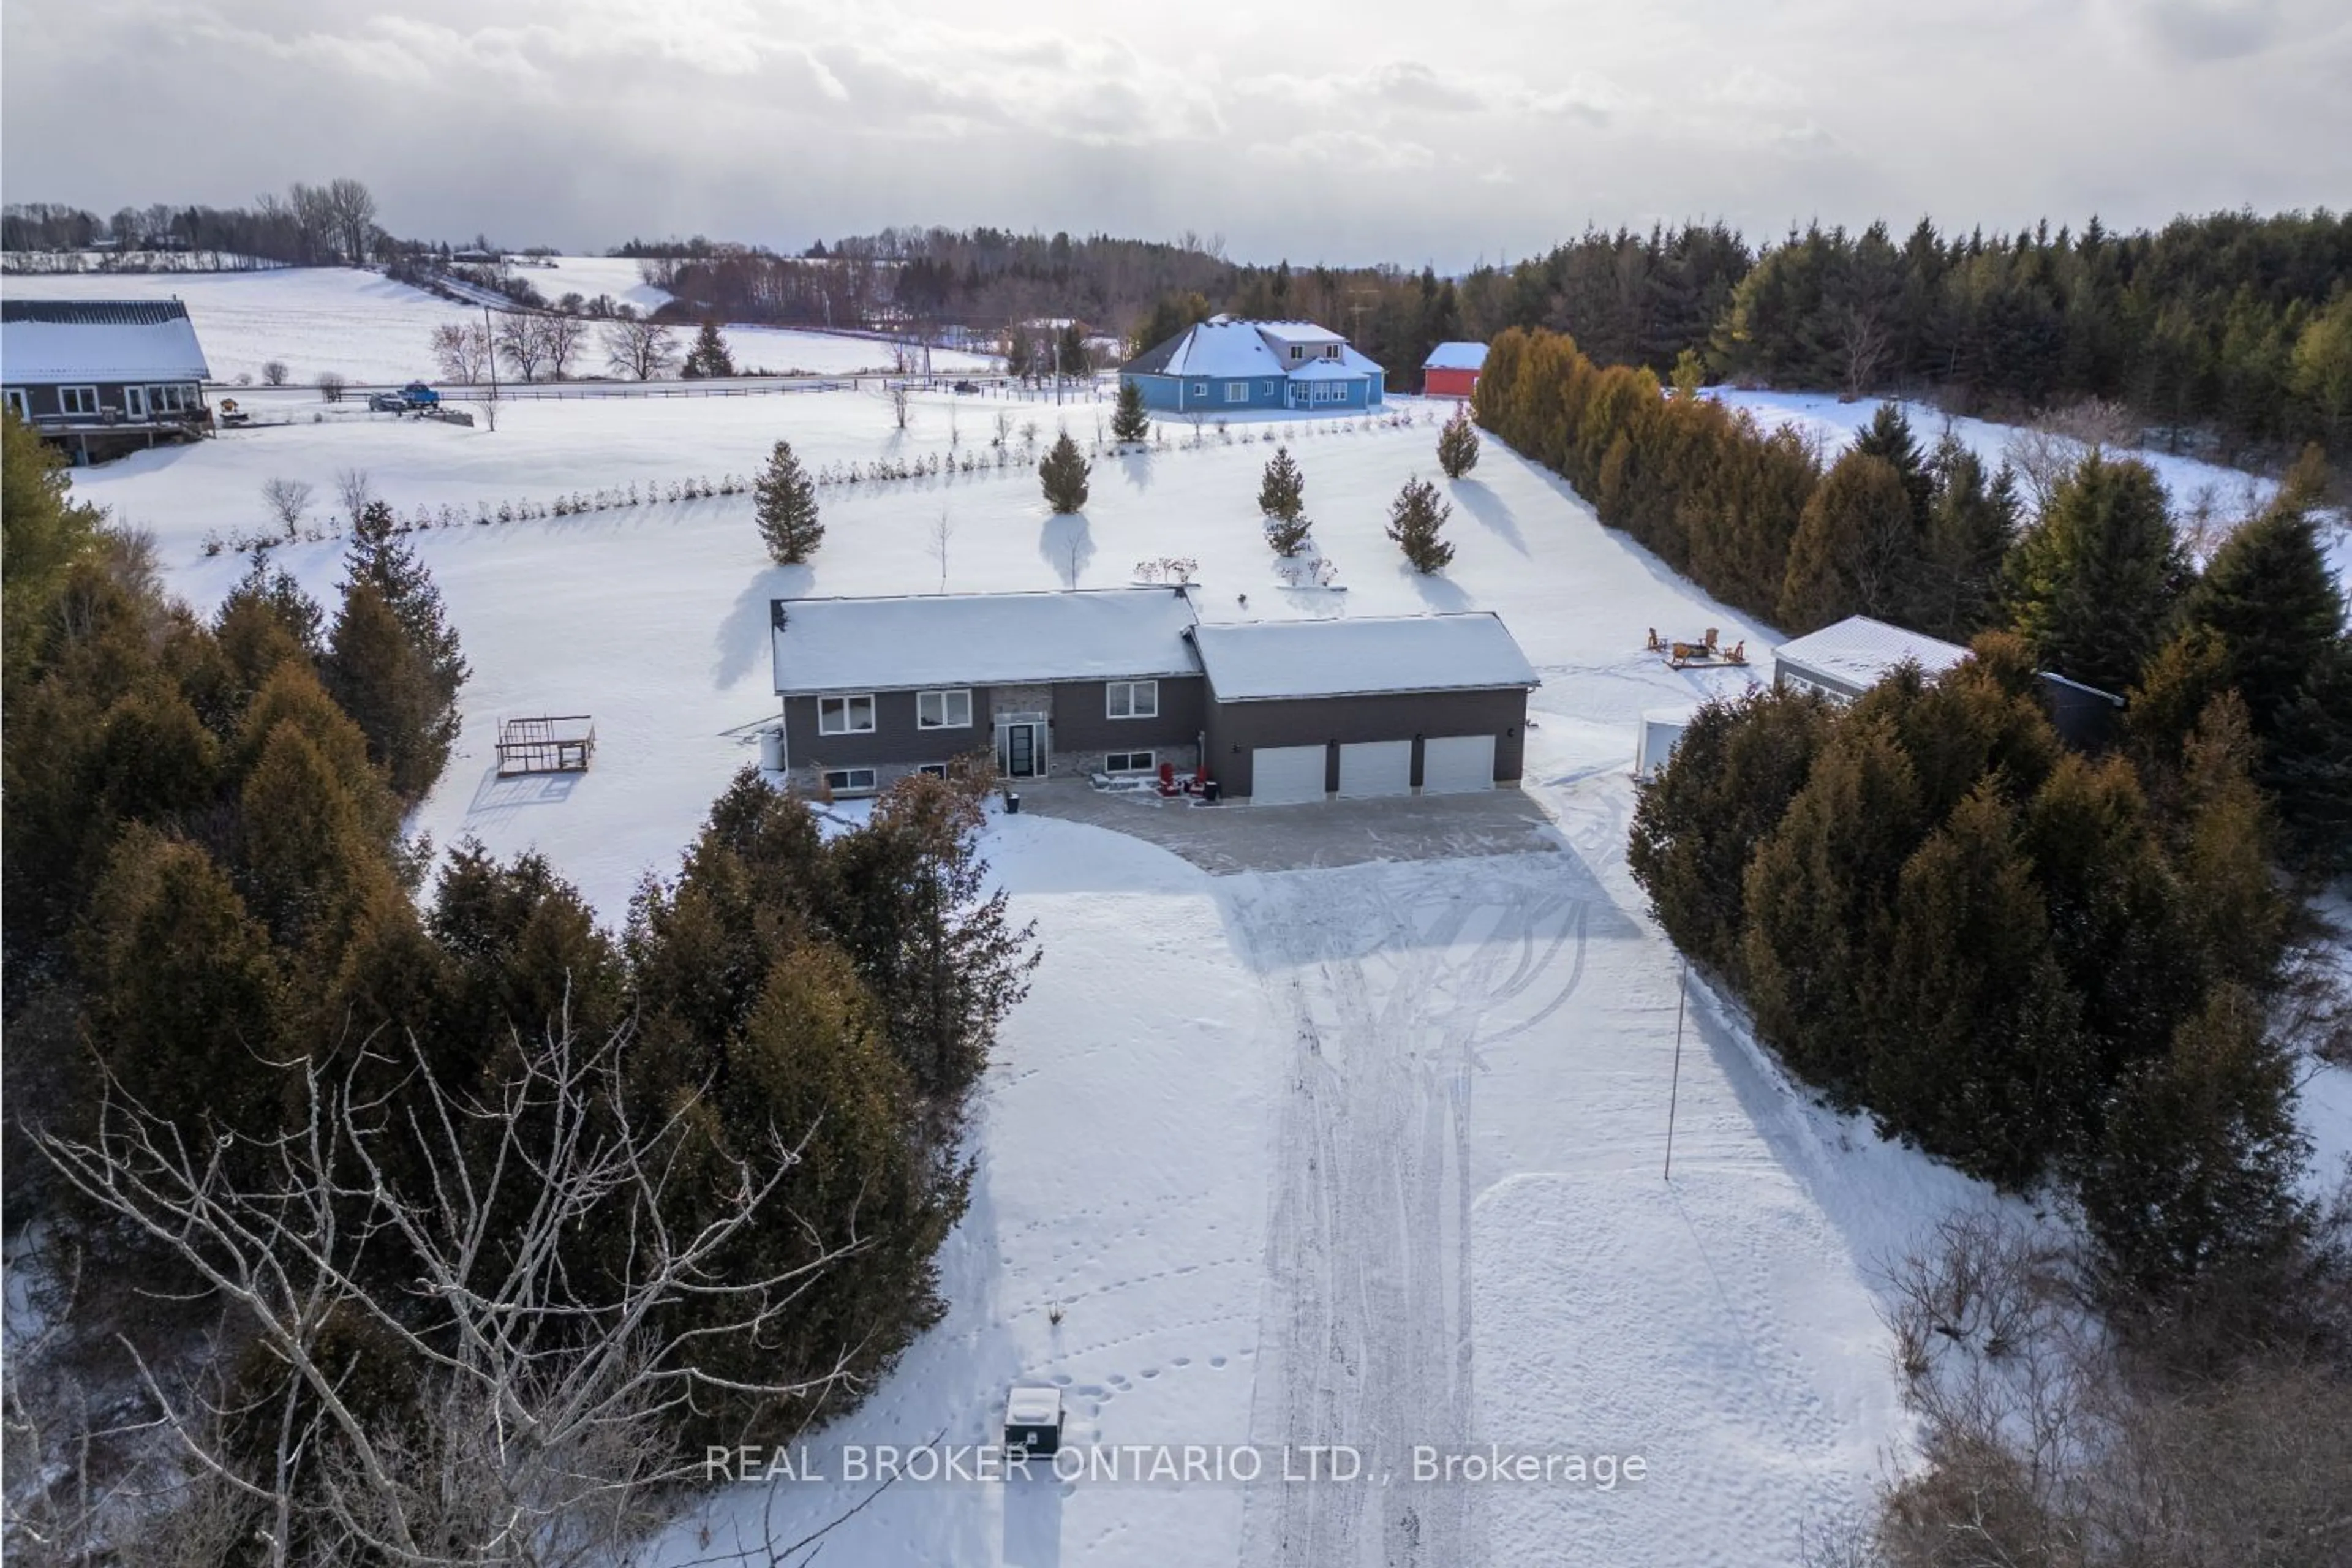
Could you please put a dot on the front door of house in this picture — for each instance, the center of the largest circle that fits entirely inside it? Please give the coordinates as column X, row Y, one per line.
column 1021, row 760
column 134, row 403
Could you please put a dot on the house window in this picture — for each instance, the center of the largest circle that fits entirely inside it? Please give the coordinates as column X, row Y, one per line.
column 845, row 715
column 933, row 770
column 1297, row 352
column 16, row 403
column 1199, row 389
column 170, row 399
column 1269, row 389
column 943, row 710
column 1237, row 392
column 81, row 400
column 849, row 781
column 1329, row 392
column 1133, row 698
column 1128, row 763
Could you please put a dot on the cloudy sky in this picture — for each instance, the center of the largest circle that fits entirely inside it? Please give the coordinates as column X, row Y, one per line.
column 1440, row 131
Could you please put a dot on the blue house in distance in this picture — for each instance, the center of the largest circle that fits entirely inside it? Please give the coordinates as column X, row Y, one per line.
column 1226, row 366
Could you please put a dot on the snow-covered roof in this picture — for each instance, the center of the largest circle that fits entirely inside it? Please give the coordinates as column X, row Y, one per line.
column 1456, row 356
column 1250, row 661
column 1223, row 348
column 930, row 640
column 47, row 341
column 1860, row 652
column 1296, row 332
column 1327, row 370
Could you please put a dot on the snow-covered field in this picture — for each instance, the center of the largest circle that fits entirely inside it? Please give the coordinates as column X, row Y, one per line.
column 374, row 330
column 1835, row 424
column 1366, row 1155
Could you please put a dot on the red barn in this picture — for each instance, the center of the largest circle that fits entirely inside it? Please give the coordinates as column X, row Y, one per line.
column 1451, row 370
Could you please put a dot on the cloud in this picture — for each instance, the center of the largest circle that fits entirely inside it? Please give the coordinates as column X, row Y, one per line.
column 1376, row 133
column 1350, row 149
column 2195, row 31
column 1409, row 87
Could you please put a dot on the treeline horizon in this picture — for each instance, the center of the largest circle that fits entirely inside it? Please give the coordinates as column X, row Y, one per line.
column 2230, row 325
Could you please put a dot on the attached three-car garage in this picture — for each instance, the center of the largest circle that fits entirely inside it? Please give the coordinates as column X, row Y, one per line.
column 1363, row 709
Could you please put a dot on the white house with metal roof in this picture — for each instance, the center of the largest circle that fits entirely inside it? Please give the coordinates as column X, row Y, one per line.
column 1226, row 365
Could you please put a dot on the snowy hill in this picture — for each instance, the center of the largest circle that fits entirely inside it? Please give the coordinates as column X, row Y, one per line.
column 372, row 330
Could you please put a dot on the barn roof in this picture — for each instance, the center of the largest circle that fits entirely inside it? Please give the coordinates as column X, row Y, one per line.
column 932, row 640
column 1861, row 652
column 46, row 342
column 1249, row 661
column 1456, row 356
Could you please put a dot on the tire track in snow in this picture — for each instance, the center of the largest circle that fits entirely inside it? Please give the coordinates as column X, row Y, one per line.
column 1389, row 978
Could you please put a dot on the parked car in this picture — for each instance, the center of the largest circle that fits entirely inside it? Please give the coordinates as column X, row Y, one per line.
column 967, row 386
column 386, row 403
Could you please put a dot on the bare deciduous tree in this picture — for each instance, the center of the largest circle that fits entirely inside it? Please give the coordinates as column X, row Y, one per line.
column 287, row 499
column 901, row 401
column 274, row 372
column 942, row 532
column 2044, row 452
column 561, row 336
column 638, row 347
column 1862, row 349
column 522, row 343
column 353, row 490
column 331, row 386
column 461, row 351
column 350, row 208
column 535, row 1441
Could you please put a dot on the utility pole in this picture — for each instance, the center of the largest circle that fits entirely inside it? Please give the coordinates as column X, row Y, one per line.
column 1674, row 1092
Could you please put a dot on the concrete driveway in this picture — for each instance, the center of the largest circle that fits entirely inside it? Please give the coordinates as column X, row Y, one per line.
column 1225, row 840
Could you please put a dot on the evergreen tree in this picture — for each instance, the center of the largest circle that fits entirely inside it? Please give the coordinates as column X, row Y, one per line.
column 709, row 356
column 1130, row 423
column 1070, row 351
column 938, row 950
column 183, row 986
column 1818, row 894
column 2194, row 1180
column 2094, row 583
column 1697, row 825
column 1978, row 1053
column 783, row 501
column 1457, row 444
column 266, row 621
column 435, row 669
column 1972, row 523
column 2269, row 595
column 1282, row 499
column 43, row 531
column 1416, row 519
column 1855, row 550
column 1889, row 438
column 1063, row 473
column 384, row 683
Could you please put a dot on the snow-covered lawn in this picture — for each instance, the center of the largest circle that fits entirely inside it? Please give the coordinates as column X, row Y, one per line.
column 1364, row 1155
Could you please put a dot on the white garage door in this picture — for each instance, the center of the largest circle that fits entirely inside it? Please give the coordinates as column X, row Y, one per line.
column 1376, row 767
column 1453, row 763
column 1283, row 775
